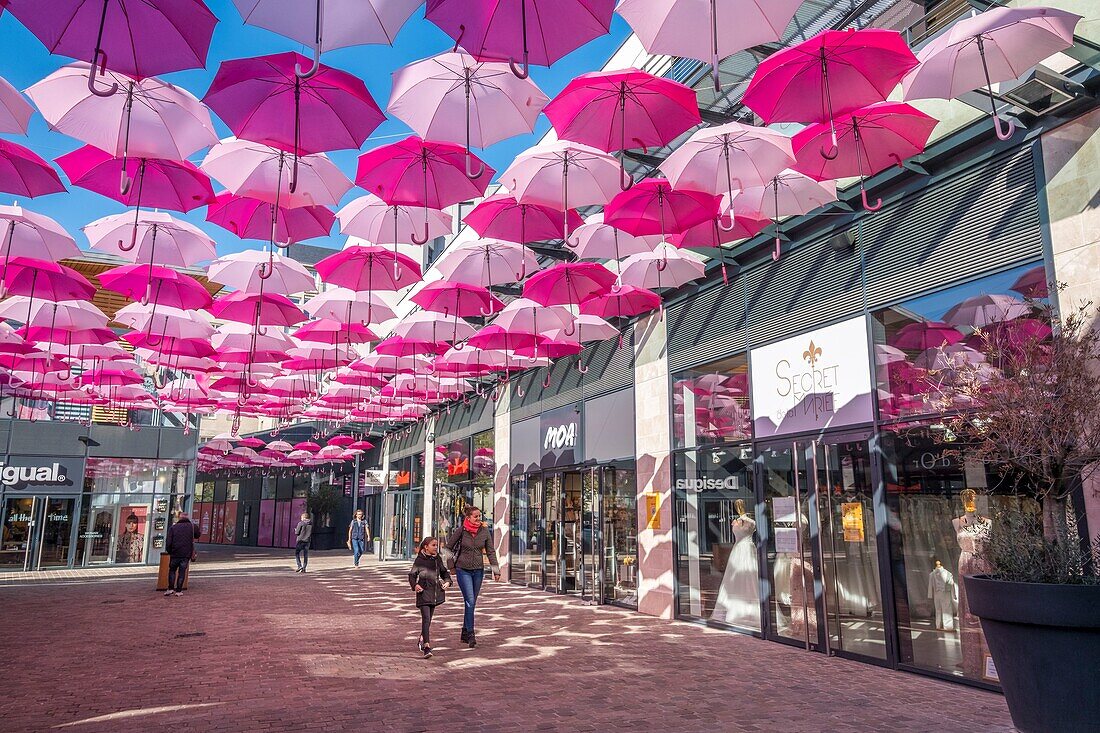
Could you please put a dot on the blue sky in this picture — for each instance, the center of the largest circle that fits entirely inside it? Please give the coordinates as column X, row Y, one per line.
column 26, row 61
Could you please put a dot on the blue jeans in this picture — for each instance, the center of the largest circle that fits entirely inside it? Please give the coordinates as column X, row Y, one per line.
column 177, row 572
column 469, row 582
column 357, row 550
column 301, row 554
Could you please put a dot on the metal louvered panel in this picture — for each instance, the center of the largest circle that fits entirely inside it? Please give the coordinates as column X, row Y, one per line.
column 608, row 368
column 811, row 285
column 707, row 327
column 465, row 420
column 984, row 219
column 408, row 445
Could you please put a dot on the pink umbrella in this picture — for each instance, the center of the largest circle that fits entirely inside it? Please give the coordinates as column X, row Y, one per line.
column 46, row 280
column 500, row 216
column 28, row 234
column 529, row 316
column 867, row 141
column 788, row 194
column 348, row 306
column 257, row 271
column 165, row 184
column 486, row 262
column 330, row 24
column 430, row 95
column 982, row 310
column 728, row 158
column 1015, row 335
column 401, row 346
column 261, row 309
column 729, row 227
column 415, row 172
column 626, row 302
column 257, row 171
column 1032, row 284
column 497, row 337
column 595, row 240
column 493, row 30
column 473, row 362
column 67, row 336
column 676, row 27
column 154, row 238
column 250, row 218
column 105, row 377
column 327, row 331
column 978, row 51
column 552, row 348
column 264, row 100
column 617, row 110
column 381, row 364
column 586, row 328
column 24, row 173
column 368, row 267
column 433, row 327
column 924, row 335
column 135, row 37
column 665, row 267
column 457, row 299
column 372, row 219
column 655, row 207
column 15, row 111
column 569, row 283
column 168, row 348
column 307, row 445
column 251, row 443
column 165, row 321
column 830, row 74
column 70, row 314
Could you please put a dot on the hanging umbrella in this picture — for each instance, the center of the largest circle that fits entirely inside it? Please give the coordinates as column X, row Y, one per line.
column 259, row 171
column 569, row 283
column 723, row 229
column 433, row 327
column 655, row 207
column 347, row 306
column 618, row 110
column 788, row 194
column 595, row 240
column 154, row 238
column 498, row 337
column 562, row 174
column 948, row 356
column 134, row 37
column 329, row 24
column 500, row 216
column 625, row 302
column 368, row 267
column 587, row 328
column 160, row 183
column 923, row 335
column 540, row 32
column 430, row 96
column 524, row 315
column 45, row 280
column 264, row 100
column 728, row 158
column 827, row 75
column 553, row 348
column 416, row 172
column 165, row 321
column 1032, row 284
column 665, row 267
column 250, row 218
column 326, row 331
column 402, row 346
column 372, row 219
column 457, row 299
column 993, row 46
column 70, row 314
column 266, row 272
column 867, row 141
column 29, row 234
column 381, row 364
column 486, row 262
column 15, row 111
column 260, row 309
column 676, row 27
column 982, row 310
column 24, row 173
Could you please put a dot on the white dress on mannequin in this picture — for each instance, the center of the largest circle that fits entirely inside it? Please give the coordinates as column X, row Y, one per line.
column 739, row 595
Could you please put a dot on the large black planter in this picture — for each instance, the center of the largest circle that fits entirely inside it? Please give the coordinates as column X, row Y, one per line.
column 1045, row 642
column 324, row 538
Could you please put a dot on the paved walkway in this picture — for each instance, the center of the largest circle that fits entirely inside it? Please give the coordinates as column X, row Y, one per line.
column 255, row 647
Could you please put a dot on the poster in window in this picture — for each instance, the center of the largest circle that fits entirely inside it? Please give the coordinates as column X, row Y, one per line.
column 132, row 527
column 229, row 523
column 851, row 520
column 266, row 537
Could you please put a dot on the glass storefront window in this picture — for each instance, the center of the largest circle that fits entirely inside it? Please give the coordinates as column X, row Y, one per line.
column 620, row 536
column 711, row 404
column 716, row 541
column 483, row 470
column 920, row 341
column 452, row 461
column 940, row 506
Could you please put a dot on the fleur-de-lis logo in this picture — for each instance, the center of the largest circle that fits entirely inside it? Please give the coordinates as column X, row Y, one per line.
column 812, row 354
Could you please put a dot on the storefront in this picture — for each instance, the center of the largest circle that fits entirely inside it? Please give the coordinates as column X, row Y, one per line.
column 70, row 498
column 464, row 464
column 403, row 498
column 816, row 503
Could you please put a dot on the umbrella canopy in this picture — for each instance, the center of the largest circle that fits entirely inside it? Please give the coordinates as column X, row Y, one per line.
column 457, row 299
column 372, row 219
column 788, row 194
column 159, row 183
column 257, row 271
column 348, row 306
column 625, row 302
column 368, row 267
column 433, row 327
column 15, row 111
column 250, row 218
column 728, row 158
column 924, row 335
column 403, row 346
column 164, row 321
column 153, row 238
column 326, row 331
column 66, row 314
column 262, row 172
column 562, row 174
column 587, row 328
column 29, row 234
column 498, row 337
column 486, row 262
column 569, row 283
column 718, row 232
column 45, row 280
column 983, row 310
column 500, row 216
column 24, row 173
column 595, row 240
column 665, row 267
column 529, row 316
column 1033, row 283
column 261, row 309
column 653, row 206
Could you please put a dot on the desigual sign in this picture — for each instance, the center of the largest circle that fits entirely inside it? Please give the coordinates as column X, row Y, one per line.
column 729, row 483
column 37, row 474
column 816, row 380
column 19, row 476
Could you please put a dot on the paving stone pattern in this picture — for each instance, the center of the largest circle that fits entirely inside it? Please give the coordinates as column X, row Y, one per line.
column 254, row 646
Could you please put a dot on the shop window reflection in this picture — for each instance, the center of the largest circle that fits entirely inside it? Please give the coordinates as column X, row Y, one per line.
column 711, row 404
column 920, row 343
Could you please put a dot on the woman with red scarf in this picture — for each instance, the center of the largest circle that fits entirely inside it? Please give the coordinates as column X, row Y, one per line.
column 469, row 545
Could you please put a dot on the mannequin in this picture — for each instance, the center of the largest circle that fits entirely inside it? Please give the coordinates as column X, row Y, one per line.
column 803, row 610
column 972, row 532
column 944, row 595
column 739, row 594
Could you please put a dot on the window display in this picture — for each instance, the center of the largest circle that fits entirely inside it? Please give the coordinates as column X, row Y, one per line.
column 711, row 404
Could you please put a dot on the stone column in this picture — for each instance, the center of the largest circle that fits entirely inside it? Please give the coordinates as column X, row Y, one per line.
column 1071, row 167
column 502, row 507
column 428, row 520
column 656, row 561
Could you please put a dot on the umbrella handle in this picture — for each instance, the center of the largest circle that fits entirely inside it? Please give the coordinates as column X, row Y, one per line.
column 124, row 182
column 293, row 185
column 730, row 228
column 626, row 181
column 572, row 330
column 662, row 264
column 316, row 45
column 620, row 340
column 466, row 398
column 100, row 59
column 133, row 242
column 486, row 314
column 778, row 251
column 470, row 173
column 397, row 272
column 520, row 72
column 267, row 269
column 574, row 243
column 830, row 152
column 1003, row 134
column 617, row 286
column 158, row 381
column 417, row 240
column 866, row 203
column 458, row 346
column 520, row 391
column 546, row 381
column 581, row 367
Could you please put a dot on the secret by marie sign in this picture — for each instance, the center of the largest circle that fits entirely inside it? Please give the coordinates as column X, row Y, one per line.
column 812, row 381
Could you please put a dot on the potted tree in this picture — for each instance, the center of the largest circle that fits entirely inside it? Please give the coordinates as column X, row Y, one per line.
column 323, row 503
column 1030, row 409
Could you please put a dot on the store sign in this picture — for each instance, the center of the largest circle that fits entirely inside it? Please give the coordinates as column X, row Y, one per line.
column 36, row 474
column 695, row 485
column 562, row 443
column 817, row 380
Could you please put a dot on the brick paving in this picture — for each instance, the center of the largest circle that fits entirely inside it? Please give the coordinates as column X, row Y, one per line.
column 255, row 647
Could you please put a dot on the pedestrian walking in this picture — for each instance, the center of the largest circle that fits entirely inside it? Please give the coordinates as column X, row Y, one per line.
column 429, row 579
column 358, row 531
column 302, row 533
column 180, row 546
column 469, row 545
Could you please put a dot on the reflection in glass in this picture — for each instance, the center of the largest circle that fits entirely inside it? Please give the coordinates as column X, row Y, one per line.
column 553, row 490
column 620, row 536
column 711, row 403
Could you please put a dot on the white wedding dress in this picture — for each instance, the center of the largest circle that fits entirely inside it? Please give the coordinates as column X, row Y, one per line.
column 738, row 600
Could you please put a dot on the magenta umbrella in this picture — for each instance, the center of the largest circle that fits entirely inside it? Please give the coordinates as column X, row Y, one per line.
column 461, row 300
column 500, row 216
column 163, row 184
column 367, row 268
column 979, row 311
column 250, row 218
column 264, row 100
column 539, row 31
column 497, row 337
column 867, row 141
column 327, row 331
column 830, row 74
column 46, row 280
column 402, row 346
column 24, row 173
column 569, row 283
column 654, row 207
column 152, row 283
column 262, row 309
column 617, row 110
column 924, row 335
column 729, row 227
column 626, row 302
column 136, row 37
column 415, row 172
column 1033, row 283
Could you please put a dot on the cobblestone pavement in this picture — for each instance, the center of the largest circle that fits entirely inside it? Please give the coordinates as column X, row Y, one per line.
column 253, row 646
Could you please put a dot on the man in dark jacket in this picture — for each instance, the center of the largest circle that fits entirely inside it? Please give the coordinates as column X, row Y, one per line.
column 180, row 547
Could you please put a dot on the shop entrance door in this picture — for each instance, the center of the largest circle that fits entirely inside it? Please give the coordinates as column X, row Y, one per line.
column 821, row 548
column 18, row 524
column 571, row 555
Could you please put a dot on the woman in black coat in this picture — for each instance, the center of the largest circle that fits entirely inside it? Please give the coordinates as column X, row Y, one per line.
column 429, row 579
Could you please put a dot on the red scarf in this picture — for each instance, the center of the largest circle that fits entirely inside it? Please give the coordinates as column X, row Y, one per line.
column 471, row 526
